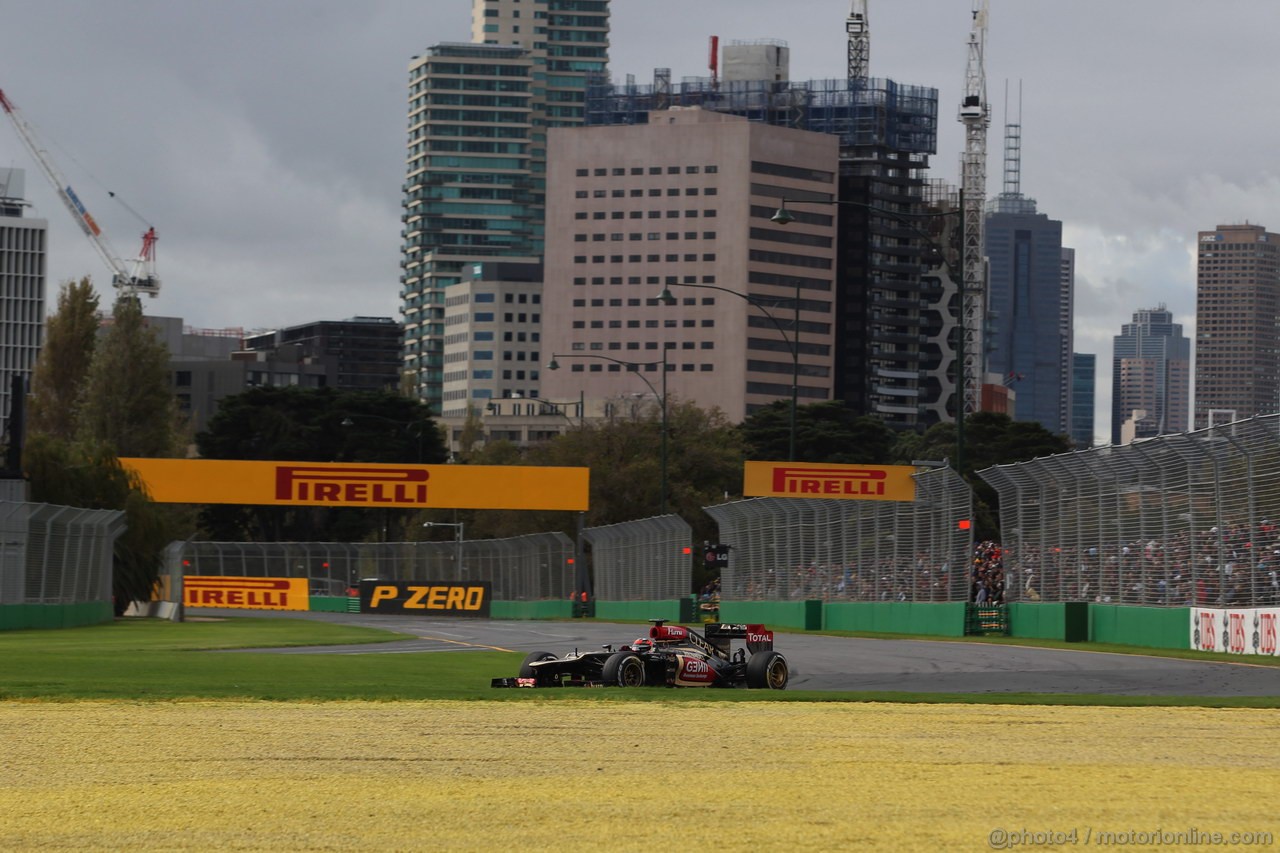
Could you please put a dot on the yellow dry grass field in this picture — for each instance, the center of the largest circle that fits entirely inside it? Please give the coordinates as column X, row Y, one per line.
column 589, row 775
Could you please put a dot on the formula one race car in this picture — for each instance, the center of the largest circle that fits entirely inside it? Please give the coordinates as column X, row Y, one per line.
column 671, row 656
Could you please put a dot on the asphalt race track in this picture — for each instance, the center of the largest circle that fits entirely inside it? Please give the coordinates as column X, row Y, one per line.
column 837, row 663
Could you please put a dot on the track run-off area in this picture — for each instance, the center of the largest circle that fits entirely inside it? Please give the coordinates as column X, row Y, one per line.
column 584, row 774
column 841, row 663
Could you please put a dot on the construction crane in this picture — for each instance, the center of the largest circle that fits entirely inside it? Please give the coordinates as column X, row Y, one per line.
column 975, row 115
column 131, row 277
column 859, row 30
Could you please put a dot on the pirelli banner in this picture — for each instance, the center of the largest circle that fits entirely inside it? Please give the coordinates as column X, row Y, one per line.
column 425, row 598
column 245, row 593
column 840, row 482
column 219, row 481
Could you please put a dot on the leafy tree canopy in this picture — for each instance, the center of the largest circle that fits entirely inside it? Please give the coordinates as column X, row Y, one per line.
column 825, row 432
column 58, row 380
column 128, row 404
column 316, row 425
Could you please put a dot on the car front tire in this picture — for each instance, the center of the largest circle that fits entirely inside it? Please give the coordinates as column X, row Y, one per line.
column 623, row 670
column 527, row 671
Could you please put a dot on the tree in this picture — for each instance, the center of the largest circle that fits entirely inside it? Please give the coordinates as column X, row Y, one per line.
column 94, row 400
column 990, row 439
column 58, row 380
column 315, row 425
column 129, row 405
column 825, row 432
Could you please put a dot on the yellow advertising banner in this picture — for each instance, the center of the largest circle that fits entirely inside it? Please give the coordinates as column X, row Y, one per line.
column 840, row 482
column 221, row 481
column 245, row 593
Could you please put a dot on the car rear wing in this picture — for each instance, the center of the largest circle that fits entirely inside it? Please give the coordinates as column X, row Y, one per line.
column 758, row 638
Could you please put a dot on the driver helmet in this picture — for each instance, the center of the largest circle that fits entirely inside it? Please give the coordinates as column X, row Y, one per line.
column 642, row 644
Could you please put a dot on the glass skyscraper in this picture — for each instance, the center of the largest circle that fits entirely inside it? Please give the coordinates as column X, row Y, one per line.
column 1150, row 376
column 476, row 163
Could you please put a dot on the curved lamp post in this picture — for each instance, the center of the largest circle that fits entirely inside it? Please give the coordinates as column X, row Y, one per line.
column 633, row 367
column 457, row 540
column 793, row 342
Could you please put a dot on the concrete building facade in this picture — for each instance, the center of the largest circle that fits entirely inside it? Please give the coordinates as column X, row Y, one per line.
column 1151, row 374
column 891, row 298
column 1237, row 342
column 493, row 337
column 23, row 244
column 683, row 203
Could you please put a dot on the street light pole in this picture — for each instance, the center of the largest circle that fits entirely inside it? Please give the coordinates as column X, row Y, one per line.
column 632, row 367
column 458, row 527
column 784, row 217
column 793, row 342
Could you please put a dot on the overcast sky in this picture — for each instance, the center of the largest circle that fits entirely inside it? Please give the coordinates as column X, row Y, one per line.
column 265, row 140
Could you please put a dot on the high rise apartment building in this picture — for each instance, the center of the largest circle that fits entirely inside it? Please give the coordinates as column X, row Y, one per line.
column 22, row 287
column 1237, row 344
column 1150, row 377
column 475, row 178
column 683, row 204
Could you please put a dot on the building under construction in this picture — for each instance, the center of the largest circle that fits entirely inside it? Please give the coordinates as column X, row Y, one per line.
column 887, row 360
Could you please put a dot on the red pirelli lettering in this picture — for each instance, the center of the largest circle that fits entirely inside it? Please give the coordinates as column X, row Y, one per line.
column 829, row 481
column 347, row 484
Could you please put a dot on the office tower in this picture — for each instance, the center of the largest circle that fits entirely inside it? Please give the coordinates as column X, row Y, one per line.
column 475, row 185
column 1066, row 328
column 359, row 353
column 1237, row 346
column 1029, row 307
column 22, row 285
column 686, row 199
column 1084, row 368
column 1150, row 375
column 883, row 308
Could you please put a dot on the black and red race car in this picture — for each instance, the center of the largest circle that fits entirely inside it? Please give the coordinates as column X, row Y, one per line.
column 671, row 656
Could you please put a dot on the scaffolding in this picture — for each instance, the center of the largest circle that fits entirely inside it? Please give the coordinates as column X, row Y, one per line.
column 873, row 113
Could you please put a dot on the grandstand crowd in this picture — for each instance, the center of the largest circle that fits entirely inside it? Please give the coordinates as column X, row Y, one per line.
column 1235, row 566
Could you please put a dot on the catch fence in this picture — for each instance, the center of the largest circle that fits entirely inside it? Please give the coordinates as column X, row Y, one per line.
column 644, row 560
column 521, row 568
column 56, row 554
column 851, row 550
column 1177, row 520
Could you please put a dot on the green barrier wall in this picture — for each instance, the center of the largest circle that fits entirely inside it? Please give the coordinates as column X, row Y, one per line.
column 1067, row 621
column 1154, row 627
column 18, row 616
column 941, row 619
column 805, row 615
column 331, row 604
column 531, row 609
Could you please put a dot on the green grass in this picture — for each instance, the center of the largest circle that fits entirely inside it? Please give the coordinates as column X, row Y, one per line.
column 153, row 660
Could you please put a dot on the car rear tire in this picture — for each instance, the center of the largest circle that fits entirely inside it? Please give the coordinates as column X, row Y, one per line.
column 623, row 670
column 767, row 671
column 527, row 671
